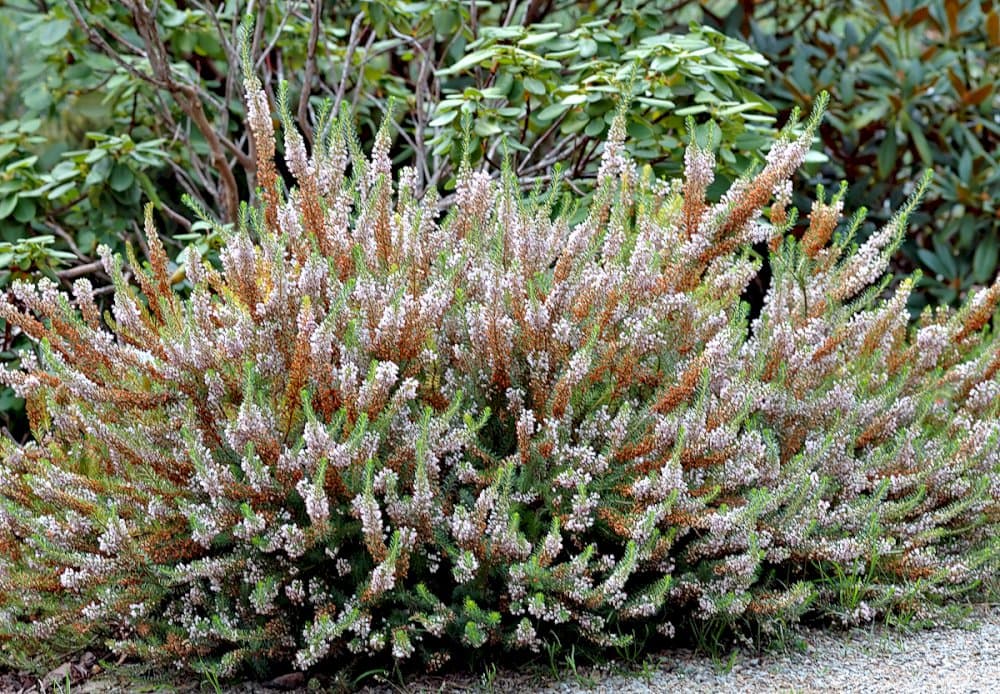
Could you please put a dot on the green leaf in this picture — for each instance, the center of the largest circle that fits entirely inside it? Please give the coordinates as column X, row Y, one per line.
column 443, row 119
column 7, row 205
column 984, row 261
column 691, row 110
column 664, row 63
column 869, row 113
column 494, row 93
column 739, row 108
column 486, row 128
column 25, row 163
column 946, row 256
column 965, row 166
column 445, row 23
column 887, row 154
column 121, row 179
column 25, row 210
column 534, row 86
column 95, row 155
column 573, row 125
column 595, row 127
column 98, row 173
column 61, row 190
column 535, row 39
column 54, row 31
column 656, row 103
column 920, row 142
column 174, row 18
column 930, row 260
column 469, row 61
column 64, row 170
column 86, row 240
column 551, row 112
column 502, row 33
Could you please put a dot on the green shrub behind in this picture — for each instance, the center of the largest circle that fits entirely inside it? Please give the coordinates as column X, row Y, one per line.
column 913, row 85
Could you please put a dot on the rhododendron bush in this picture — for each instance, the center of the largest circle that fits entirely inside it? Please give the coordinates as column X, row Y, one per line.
column 380, row 429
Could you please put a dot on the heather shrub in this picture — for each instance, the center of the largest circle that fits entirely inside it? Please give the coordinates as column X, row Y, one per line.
column 373, row 430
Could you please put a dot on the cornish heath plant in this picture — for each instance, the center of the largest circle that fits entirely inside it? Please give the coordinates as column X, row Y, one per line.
column 378, row 431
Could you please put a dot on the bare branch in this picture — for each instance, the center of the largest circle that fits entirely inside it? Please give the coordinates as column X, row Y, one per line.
column 101, row 44
column 303, row 113
column 189, row 100
column 352, row 45
column 364, row 61
column 544, row 136
column 94, row 269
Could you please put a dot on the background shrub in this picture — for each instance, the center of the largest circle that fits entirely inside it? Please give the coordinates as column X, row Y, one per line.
column 913, row 85
column 378, row 431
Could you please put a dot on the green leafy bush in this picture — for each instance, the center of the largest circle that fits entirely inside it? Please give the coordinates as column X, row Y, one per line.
column 546, row 76
column 53, row 216
column 378, row 431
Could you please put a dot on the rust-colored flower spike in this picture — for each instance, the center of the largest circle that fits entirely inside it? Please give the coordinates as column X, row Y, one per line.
column 309, row 197
column 699, row 172
column 782, row 199
column 980, row 311
column 261, row 127
column 823, row 220
column 731, row 223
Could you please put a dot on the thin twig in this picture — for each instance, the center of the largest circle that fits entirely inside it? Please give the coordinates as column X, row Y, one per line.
column 99, row 41
column 189, row 100
column 57, row 229
column 273, row 42
column 80, row 270
column 544, row 136
column 303, row 113
column 364, row 61
column 420, row 110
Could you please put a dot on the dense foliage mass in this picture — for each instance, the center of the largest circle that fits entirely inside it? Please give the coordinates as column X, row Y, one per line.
column 375, row 430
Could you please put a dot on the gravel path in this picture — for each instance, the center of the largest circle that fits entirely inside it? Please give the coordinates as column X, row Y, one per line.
column 880, row 660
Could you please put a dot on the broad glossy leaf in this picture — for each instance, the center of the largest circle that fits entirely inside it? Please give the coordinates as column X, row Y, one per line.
column 121, row 178
column 551, row 112
column 7, row 205
column 25, row 210
column 984, row 260
column 53, row 31
column 534, row 86
column 469, row 61
column 536, row 39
